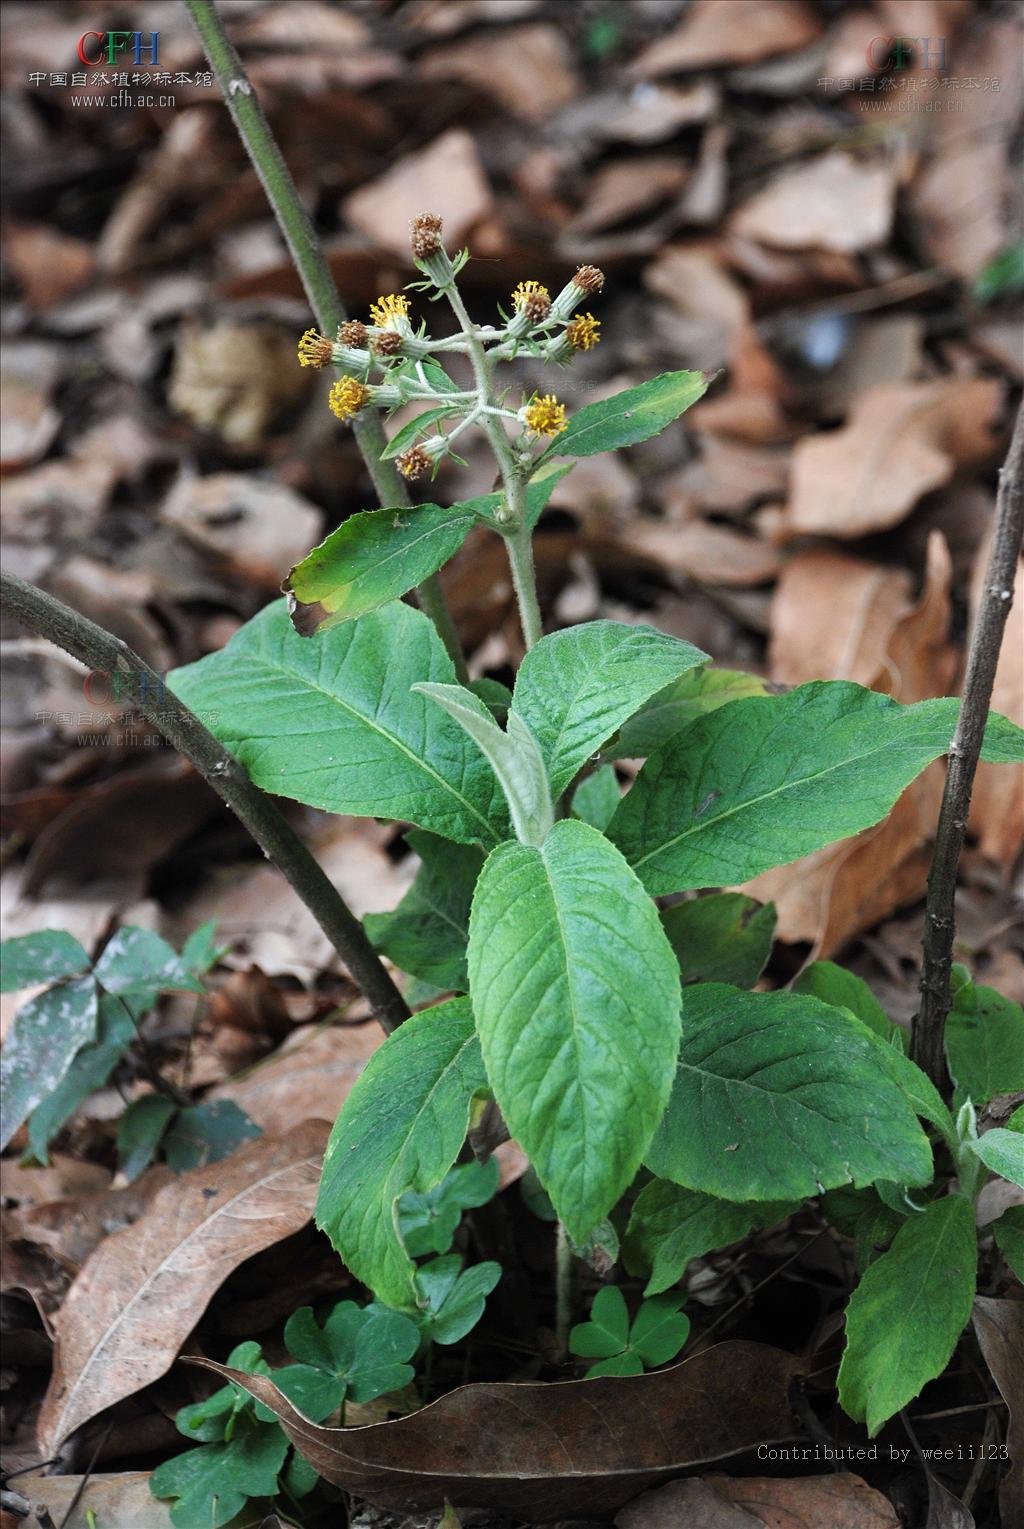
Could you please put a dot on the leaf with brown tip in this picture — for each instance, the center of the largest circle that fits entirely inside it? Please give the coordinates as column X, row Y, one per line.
column 572, row 1447
column 141, row 1292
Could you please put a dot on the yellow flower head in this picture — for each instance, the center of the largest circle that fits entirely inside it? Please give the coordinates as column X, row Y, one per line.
column 532, row 299
column 386, row 310
column 582, row 332
column 347, row 397
column 314, row 349
column 545, row 416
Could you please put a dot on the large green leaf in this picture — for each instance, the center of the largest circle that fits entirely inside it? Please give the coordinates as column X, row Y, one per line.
column 427, row 933
column 834, row 984
column 400, row 1128
column 92, row 1066
column 1002, row 1152
column 44, row 1039
column 723, row 938
column 908, row 1311
column 334, row 723
column 576, row 687
column 374, row 557
column 778, row 1096
column 763, row 781
column 670, row 1225
column 631, row 416
column 41, row 957
column 985, row 1042
column 576, row 995
column 692, row 695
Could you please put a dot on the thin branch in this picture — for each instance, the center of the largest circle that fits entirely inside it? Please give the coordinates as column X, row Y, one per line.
column 58, row 623
column 939, row 921
column 315, row 274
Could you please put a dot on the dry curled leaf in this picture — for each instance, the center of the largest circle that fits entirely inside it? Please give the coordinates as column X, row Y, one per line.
column 446, row 176
column 738, row 33
column 142, row 1291
column 547, row 1450
column 834, row 202
column 841, row 1501
column 901, row 441
column 121, row 1500
column 310, row 1076
column 999, row 1326
column 498, row 62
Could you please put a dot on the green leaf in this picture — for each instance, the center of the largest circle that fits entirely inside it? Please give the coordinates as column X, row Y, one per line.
column 595, row 799
column 659, row 1330
column 212, row 1483
column 495, row 696
column 376, row 556
column 206, row 1133
column 764, row 781
column 511, row 752
column 414, row 428
column 607, row 1332
column 1003, row 274
column 985, row 1043
column 834, row 984
column 1009, row 1235
column 42, row 957
column 89, row 1071
column 200, row 951
column 427, row 934
column 864, row 1217
column 428, row 1221
column 692, row 695
column 631, row 416
column 400, row 1128
column 136, row 963
column 368, row 745
column 1002, row 1152
column 362, row 1353
column 723, row 938
column 576, row 995
column 670, row 1225
column 777, row 1097
column 575, row 688
column 452, row 1302
column 908, row 1311
column 46, row 1035
column 211, row 1420
column 139, row 1132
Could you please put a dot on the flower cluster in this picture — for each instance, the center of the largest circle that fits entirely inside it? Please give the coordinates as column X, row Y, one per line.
column 545, row 416
column 347, row 397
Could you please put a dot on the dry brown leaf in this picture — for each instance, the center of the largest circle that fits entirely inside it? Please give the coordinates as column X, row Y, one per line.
column 660, row 111
column 834, row 202
column 999, row 1326
column 234, row 378
column 626, row 188
column 311, row 1075
column 545, row 1450
column 50, row 265
column 500, row 62
column 28, row 422
column 256, row 529
column 997, row 802
column 695, row 281
column 832, row 617
column 118, row 1501
column 737, row 33
column 840, row 1501
column 65, row 1178
column 439, row 18
column 142, row 1291
column 446, row 177
column 901, row 440
column 700, row 550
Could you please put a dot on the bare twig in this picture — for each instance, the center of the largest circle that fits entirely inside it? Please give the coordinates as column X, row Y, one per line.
column 52, row 619
column 314, row 272
column 939, row 922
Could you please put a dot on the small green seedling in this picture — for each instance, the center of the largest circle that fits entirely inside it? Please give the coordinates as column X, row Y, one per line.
column 656, row 1334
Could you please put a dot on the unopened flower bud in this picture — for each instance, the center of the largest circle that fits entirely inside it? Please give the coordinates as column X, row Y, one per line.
column 426, row 235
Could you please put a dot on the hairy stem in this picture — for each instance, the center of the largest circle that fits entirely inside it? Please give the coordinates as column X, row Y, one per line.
column 939, row 920
column 516, row 533
column 314, row 273
column 101, row 650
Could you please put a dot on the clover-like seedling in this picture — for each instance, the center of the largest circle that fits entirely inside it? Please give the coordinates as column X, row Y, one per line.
column 428, row 1221
column 656, row 1334
column 452, row 1302
column 358, row 1354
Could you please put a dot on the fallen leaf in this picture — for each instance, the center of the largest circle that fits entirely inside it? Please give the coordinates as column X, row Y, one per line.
column 118, row 1501
column 738, row 33
column 997, row 802
column 547, row 1450
column 832, row 617
column 626, row 188
column 309, row 1077
column 50, row 265
column 999, row 1327
column 693, row 1502
column 498, row 63
column 142, row 1291
column 901, row 440
column 841, row 1501
column 446, row 177
column 439, row 18
column 28, row 421
column 256, row 529
column 706, row 552
column 834, row 202
column 658, row 111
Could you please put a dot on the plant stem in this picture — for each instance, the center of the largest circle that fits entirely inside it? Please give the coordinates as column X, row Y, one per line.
column 101, row 650
column 516, row 534
column 563, row 1290
column 939, row 920
column 314, row 273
